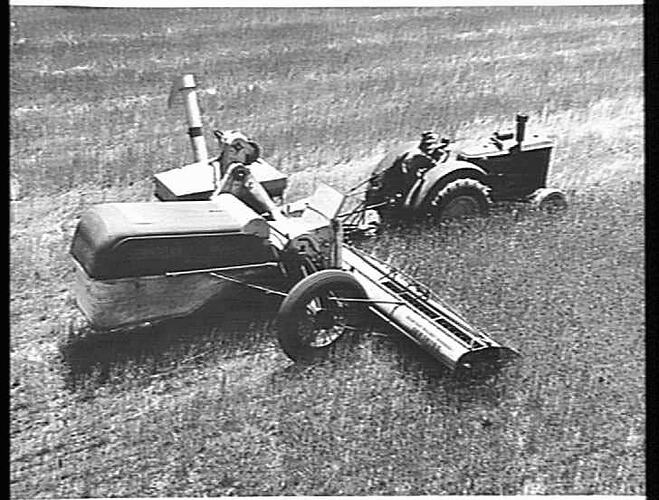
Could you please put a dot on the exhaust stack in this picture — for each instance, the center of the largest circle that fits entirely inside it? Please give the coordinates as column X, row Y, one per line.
column 187, row 86
column 521, row 129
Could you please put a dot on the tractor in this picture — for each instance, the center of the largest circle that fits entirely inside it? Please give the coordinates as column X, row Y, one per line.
column 428, row 178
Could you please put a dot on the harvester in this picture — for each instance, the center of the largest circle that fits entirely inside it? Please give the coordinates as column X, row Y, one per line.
column 142, row 263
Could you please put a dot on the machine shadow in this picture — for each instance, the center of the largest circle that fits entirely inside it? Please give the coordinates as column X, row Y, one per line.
column 499, row 213
column 483, row 384
column 226, row 328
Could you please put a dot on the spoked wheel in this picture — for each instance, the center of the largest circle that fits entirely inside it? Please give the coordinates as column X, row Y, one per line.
column 318, row 313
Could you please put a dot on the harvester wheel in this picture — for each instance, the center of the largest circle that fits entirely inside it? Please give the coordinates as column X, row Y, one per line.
column 459, row 198
column 313, row 316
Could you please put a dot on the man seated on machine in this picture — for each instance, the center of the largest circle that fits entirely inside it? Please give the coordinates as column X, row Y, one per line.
column 233, row 169
column 234, row 147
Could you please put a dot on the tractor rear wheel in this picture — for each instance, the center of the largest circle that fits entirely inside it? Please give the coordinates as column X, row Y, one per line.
column 458, row 199
column 315, row 315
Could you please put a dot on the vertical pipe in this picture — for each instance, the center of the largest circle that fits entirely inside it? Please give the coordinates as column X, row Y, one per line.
column 188, row 88
column 336, row 256
column 521, row 129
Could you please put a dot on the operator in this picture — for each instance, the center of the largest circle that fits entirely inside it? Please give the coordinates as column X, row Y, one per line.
column 414, row 165
column 234, row 147
column 434, row 147
column 415, row 162
column 233, row 168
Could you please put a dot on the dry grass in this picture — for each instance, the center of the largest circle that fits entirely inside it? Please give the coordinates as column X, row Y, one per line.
column 315, row 87
column 190, row 410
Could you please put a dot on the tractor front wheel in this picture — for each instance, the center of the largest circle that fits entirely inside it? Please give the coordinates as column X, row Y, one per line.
column 459, row 199
column 549, row 200
column 320, row 310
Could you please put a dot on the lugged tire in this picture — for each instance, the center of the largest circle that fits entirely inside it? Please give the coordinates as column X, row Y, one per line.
column 460, row 198
column 294, row 312
column 549, row 200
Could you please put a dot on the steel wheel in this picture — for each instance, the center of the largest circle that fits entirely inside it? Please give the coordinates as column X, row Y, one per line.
column 315, row 315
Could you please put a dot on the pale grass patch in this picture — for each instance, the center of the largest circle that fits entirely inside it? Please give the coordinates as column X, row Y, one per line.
column 601, row 174
column 607, row 117
column 72, row 39
column 511, row 30
column 612, row 121
column 34, row 353
column 342, row 176
column 75, row 111
column 14, row 188
column 635, row 439
column 374, row 39
column 80, row 68
column 535, row 487
column 20, row 110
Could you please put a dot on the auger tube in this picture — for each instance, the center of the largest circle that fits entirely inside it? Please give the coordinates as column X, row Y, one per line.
column 521, row 129
column 188, row 87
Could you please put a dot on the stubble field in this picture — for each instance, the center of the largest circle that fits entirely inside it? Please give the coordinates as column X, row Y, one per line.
column 188, row 409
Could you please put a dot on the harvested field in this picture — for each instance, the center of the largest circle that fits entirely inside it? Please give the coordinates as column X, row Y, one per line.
column 210, row 406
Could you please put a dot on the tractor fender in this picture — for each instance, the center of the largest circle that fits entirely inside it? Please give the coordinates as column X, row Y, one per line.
column 441, row 174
